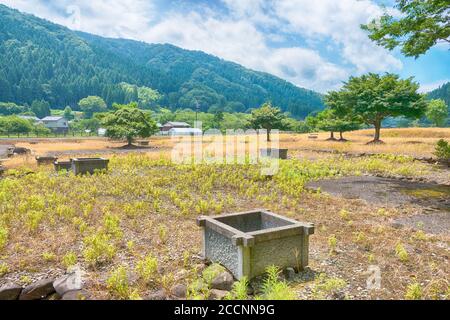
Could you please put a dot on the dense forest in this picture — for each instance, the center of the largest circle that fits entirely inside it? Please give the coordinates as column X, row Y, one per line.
column 43, row 61
column 443, row 92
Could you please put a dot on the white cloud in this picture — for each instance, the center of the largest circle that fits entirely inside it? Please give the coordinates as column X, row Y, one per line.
column 339, row 22
column 245, row 34
column 120, row 19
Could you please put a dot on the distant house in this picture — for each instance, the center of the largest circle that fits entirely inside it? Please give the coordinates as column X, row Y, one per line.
column 56, row 124
column 185, row 132
column 174, row 125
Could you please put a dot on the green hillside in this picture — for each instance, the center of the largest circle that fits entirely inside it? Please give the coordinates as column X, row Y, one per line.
column 42, row 60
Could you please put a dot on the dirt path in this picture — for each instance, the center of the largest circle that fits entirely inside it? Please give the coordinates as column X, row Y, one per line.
column 433, row 200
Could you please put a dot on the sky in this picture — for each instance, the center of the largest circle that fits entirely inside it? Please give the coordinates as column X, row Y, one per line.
column 313, row 44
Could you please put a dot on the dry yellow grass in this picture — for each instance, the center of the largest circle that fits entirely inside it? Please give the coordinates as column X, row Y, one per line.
column 410, row 141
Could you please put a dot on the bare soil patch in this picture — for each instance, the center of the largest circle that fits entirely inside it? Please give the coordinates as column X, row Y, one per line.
column 432, row 200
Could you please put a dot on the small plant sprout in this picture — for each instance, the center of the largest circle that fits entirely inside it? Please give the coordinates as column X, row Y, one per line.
column 273, row 288
column 49, row 256
column 162, row 233
column 69, row 260
column 3, row 269
column 401, row 252
column 3, row 236
column 98, row 249
column 130, row 245
column 117, row 283
column 414, row 291
column 325, row 287
column 344, row 214
column 239, row 290
column 147, row 268
column 186, row 259
column 332, row 243
column 420, row 235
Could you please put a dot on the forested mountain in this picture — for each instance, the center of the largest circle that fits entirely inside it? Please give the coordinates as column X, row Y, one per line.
column 40, row 60
column 443, row 92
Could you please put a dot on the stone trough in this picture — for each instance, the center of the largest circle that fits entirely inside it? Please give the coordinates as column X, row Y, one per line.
column 45, row 160
column 89, row 165
column 274, row 153
column 247, row 243
column 143, row 143
column 63, row 165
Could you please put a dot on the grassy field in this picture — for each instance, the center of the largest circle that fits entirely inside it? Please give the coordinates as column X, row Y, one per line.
column 140, row 217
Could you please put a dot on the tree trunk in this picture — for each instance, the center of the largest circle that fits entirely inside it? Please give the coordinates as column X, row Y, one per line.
column 129, row 141
column 331, row 138
column 341, row 135
column 376, row 138
column 268, row 135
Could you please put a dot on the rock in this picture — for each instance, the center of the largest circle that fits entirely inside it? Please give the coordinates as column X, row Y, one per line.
column 70, row 282
column 289, row 274
column 179, row 290
column 224, row 281
column 157, row 295
column 76, row 295
column 396, row 225
column 10, row 291
column 38, row 290
column 215, row 294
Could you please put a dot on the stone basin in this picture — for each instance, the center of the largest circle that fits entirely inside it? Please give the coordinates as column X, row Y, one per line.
column 46, row 160
column 89, row 165
column 63, row 165
column 247, row 243
column 274, row 153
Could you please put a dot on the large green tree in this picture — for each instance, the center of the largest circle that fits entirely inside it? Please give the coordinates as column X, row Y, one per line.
column 129, row 122
column 373, row 97
column 14, row 125
column 40, row 108
column 267, row 117
column 91, row 105
column 437, row 112
column 330, row 120
column 422, row 24
column 9, row 108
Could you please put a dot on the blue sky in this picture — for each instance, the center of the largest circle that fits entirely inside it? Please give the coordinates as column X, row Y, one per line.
column 313, row 44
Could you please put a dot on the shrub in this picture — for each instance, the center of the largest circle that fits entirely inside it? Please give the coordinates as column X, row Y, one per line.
column 442, row 150
column 414, row 292
column 117, row 283
column 147, row 268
